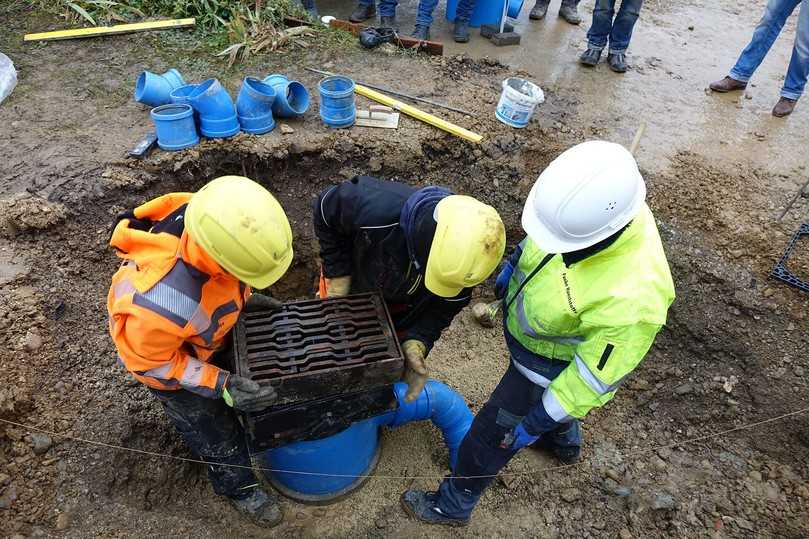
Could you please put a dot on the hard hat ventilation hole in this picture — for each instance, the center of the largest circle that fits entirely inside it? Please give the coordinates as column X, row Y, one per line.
column 610, row 206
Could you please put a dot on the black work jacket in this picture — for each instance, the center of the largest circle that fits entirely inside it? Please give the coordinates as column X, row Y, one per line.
column 357, row 225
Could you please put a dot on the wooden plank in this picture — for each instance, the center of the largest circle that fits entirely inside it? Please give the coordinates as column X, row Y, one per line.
column 435, row 48
column 117, row 29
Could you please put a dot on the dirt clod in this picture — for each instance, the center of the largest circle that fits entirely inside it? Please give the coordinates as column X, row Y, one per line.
column 40, row 443
column 23, row 212
column 32, row 341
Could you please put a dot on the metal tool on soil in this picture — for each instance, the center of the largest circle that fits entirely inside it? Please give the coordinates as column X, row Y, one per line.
column 801, row 191
column 780, row 270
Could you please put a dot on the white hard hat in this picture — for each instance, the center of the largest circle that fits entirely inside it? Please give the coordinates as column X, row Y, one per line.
column 585, row 195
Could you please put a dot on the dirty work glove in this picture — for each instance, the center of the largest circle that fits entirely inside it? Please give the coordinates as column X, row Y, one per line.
column 338, row 286
column 501, row 284
column 260, row 302
column 518, row 438
column 247, row 395
column 415, row 353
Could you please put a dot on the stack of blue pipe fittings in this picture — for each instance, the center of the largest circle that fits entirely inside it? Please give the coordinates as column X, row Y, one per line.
column 182, row 112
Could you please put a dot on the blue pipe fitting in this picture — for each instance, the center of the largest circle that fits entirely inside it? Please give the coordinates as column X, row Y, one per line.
column 217, row 113
column 182, row 94
column 514, row 8
column 175, row 127
column 329, row 468
column 291, row 97
column 254, row 106
column 337, row 107
column 155, row 90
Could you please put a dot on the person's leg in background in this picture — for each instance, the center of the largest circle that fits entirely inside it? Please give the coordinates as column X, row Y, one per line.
column 424, row 18
column 599, row 32
column 539, row 10
column 366, row 9
column 387, row 13
column 621, row 34
column 210, row 429
column 765, row 34
column 569, row 11
column 798, row 70
column 463, row 13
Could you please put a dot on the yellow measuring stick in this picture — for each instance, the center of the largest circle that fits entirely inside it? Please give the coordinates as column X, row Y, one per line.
column 425, row 117
column 110, row 30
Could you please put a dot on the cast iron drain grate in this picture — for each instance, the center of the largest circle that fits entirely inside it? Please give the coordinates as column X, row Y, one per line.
column 314, row 348
column 780, row 270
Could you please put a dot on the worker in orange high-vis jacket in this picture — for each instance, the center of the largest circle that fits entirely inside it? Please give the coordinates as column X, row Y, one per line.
column 190, row 261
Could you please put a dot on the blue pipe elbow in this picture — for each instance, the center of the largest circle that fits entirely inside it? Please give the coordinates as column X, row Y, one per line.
column 155, row 90
column 254, row 106
column 437, row 402
column 217, row 113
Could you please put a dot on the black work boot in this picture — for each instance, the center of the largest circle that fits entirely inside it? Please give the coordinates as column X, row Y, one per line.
column 422, row 506
column 539, row 10
column 389, row 22
column 617, row 62
column 569, row 12
column 461, row 31
column 421, row 32
column 262, row 508
column 590, row 57
column 363, row 12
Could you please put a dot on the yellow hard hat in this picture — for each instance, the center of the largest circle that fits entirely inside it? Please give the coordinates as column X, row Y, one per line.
column 468, row 245
column 243, row 228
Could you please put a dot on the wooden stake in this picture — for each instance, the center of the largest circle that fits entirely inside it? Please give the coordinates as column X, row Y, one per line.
column 110, row 30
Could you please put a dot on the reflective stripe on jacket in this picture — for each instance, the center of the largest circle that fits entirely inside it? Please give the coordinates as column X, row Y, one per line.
column 600, row 314
column 170, row 304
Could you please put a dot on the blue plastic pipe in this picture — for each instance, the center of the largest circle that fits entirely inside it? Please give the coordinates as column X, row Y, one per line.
column 175, row 127
column 254, row 106
column 291, row 97
column 337, row 107
column 155, row 90
column 335, row 465
column 217, row 113
column 182, row 94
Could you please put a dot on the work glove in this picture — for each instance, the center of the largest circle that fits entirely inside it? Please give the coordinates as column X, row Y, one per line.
column 260, row 302
column 338, row 286
column 518, row 438
column 501, row 284
column 247, row 395
column 415, row 377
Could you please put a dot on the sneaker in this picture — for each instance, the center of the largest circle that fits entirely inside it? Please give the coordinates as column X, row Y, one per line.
column 590, row 57
column 262, row 508
column 784, row 107
column 569, row 13
column 617, row 62
column 728, row 84
column 539, row 10
column 423, row 506
column 421, row 32
column 363, row 12
column 461, row 31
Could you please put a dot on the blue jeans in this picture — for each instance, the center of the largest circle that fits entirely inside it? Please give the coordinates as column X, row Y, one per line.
column 618, row 31
column 463, row 12
column 775, row 15
column 480, row 453
column 387, row 8
column 210, row 428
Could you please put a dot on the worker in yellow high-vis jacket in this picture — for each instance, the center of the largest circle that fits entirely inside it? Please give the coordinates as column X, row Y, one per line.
column 584, row 296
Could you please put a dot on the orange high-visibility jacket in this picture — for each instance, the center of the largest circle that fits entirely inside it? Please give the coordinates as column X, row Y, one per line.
column 170, row 304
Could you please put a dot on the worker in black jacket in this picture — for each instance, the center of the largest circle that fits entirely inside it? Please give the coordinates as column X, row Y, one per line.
column 422, row 249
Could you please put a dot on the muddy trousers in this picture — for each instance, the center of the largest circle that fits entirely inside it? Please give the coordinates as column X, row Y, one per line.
column 480, row 453
column 210, row 428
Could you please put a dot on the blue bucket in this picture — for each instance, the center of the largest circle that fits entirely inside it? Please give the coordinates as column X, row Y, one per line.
column 337, row 107
column 254, row 106
column 291, row 97
column 217, row 113
column 485, row 12
column 155, row 90
column 514, row 8
column 175, row 127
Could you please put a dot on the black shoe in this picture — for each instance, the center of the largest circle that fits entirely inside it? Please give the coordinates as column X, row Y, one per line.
column 617, row 62
column 539, row 10
column 363, row 12
column 262, row 508
column 421, row 32
column 422, row 506
column 570, row 13
column 461, row 32
column 389, row 22
column 566, row 454
column 590, row 57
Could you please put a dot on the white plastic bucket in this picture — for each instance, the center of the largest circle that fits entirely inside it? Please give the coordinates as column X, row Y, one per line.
column 518, row 101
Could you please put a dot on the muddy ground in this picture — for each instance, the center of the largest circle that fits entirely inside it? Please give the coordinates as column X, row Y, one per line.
column 733, row 352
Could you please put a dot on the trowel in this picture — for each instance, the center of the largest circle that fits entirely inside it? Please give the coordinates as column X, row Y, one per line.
column 378, row 116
